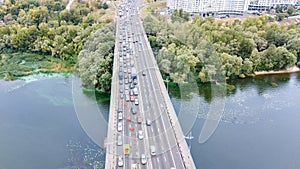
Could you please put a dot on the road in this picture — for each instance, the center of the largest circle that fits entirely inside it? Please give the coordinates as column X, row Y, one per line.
column 133, row 51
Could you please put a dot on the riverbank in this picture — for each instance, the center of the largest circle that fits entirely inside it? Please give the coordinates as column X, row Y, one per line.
column 293, row 69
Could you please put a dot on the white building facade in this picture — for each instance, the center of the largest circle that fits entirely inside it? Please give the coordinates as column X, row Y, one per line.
column 209, row 6
column 239, row 7
column 267, row 4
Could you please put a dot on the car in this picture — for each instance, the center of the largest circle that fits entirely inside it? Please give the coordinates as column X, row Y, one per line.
column 120, row 75
column 148, row 122
column 152, row 150
column 132, row 98
column 120, row 82
column 127, row 98
column 126, row 81
column 131, row 93
column 121, row 90
column 133, row 110
column 121, row 96
column 126, row 92
column 120, row 116
column 130, row 80
column 126, row 87
column 120, row 161
column 144, row 73
column 134, row 81
column 139, row 119
column 120, row 127
column 143, row 159
column 119, row 143
column 140, row 134
column 131, row 86
column 136, row 101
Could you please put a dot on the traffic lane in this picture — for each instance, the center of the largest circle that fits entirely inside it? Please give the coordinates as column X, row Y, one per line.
column 171, row 136
column 140, row 113
column 157, row 137
column 162, row 124
column 170, row 139
column 158, row 128
column 119, row 148
column 144, row 84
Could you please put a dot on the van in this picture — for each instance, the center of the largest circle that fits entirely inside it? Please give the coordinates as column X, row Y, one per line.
column 119, row 140
column 135, row 91
column 152, row 150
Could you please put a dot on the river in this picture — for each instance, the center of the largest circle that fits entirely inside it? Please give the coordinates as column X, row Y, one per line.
column 259, row 129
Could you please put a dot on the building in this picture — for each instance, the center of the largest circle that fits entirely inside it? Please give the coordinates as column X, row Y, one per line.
column 224, row 7
column 209, row 7
column 268, row 4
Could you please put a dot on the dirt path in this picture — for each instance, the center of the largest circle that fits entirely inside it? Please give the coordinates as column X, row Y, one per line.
column 69, row 4
column 289, row 70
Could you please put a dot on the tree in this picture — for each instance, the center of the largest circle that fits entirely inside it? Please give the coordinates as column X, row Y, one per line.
column 278, row 9
column 247, row 66
column 24, row 38
column 293, row 45
column 231, row 65
column 281, row 16
column 105, row 6
column 39, row 14
column 290, row 10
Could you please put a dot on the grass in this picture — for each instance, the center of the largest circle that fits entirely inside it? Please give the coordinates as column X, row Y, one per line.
column 153, row 8
column 14, row 65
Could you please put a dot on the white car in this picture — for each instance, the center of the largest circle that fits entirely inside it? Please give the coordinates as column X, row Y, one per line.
column 120, row 161
column 140, row 134
column 143, row 159
column 120, row 127
column 136, row 101
column 120, row 116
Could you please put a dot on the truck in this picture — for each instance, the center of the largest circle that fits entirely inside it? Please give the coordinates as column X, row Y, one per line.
column 133, row 73
column 120, row 107
column 126, row 149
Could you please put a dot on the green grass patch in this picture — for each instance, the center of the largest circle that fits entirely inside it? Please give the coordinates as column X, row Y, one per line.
column 14, row 65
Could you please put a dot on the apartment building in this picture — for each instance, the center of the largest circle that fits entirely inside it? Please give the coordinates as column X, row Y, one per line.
column 212, row 7
column 206, row 7
column 267, row 4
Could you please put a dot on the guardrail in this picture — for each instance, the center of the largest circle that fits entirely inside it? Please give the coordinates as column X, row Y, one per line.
column 111, row 149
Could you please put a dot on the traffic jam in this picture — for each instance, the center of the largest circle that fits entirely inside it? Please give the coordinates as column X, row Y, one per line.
column 128, row 114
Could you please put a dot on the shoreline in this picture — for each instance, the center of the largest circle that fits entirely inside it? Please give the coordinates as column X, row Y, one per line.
column 293, row 69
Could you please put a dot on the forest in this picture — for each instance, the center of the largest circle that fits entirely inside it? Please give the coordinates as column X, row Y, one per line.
column 45, row 31
column 95, row 61
column 207, row 49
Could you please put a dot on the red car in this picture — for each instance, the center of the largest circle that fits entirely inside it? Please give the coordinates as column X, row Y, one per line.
column 139, row 119
column 132, row 98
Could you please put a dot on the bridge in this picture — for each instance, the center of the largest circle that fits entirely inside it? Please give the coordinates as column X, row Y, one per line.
column 143, row 130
